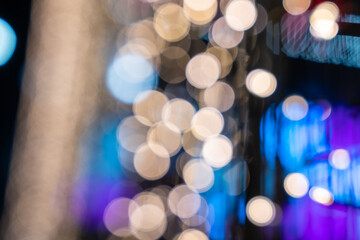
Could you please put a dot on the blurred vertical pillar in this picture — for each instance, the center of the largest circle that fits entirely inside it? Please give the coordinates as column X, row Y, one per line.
column 59, row 95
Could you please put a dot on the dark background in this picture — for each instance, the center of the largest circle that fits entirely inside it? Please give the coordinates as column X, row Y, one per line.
column 17, row 14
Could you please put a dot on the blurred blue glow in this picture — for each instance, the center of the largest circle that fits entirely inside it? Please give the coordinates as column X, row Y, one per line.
column 128, row 75
column 218, row 204
column 292, row 141
column 295, row 111
column 269, row 135
column 7, row 42
column 350, row 18
column 242, row 209
column 100, row 173
column 297, row 42
column 305, row 145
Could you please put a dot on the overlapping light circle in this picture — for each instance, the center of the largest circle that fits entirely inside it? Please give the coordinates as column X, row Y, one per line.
column 217, row 151
column 203, row 70
column 261, row 83
column 296, row 7
column 224, row 36
column 200, row 11
column 198, row 175
column 323, row 19
column 241, row 15
column 151, row 163
column 207, row 122
column 171, row 23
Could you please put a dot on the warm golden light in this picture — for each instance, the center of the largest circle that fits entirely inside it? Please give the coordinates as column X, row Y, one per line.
column 131, row 133
column 220, row 96
column 147, row 221
column 200, row 11
column 240, row 15
column 183, row 202
column 170, row 22
column 198, row 175
column 261, row 83
column 223, row 35
column 323, row 21
column 148, row 107
column 296, row 185
column 167, row 135
column 260, row 211
column 191, row 144
column 192, row 234
column 178, row 112
column 225, row 59
column 207, row 122
column 321, row 195
column 151, row 164
column 203, row 70
column 296, row 7
column 217, row 151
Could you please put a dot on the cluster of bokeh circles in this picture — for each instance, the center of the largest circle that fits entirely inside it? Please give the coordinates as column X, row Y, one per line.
column 172, row 65
column 323, row 17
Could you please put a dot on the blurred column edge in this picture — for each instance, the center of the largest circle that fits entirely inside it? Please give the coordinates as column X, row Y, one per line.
column 59, row 95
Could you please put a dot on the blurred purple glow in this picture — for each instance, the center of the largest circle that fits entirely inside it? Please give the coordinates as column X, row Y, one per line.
column 305, row 219
column 93, row 195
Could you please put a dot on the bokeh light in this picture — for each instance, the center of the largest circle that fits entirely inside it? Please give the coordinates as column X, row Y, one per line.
column 130, row 75
column 339, row 159
column 323, row 21
column 207, row 122
column 220, row 96
column 147, row 221
column 224, row 57
column 116, row 217
column 296, row 7
column 167, row 135
column 224, row 36
column 200, row 11
column 191, row 144
column 183, row 202
column 295, row 107
column 7, row 42
column 131, row 133
column 192, row 234
column 296, row 185
column 261, row 83
column 241, row 15
column 151, row 164
column 217, row 151
column 171, row 23
column 260, row 211
column 198, row 175
column 321, row 195
column 178, row 112
column 200, row 217
column 203, row 70
column 148, row 107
